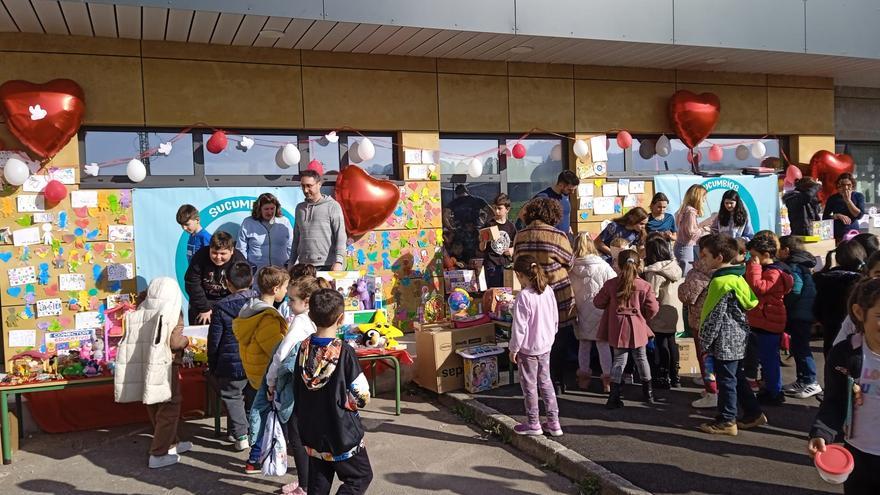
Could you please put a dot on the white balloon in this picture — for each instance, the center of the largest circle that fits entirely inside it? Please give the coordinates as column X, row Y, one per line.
column 289, row 156
column 366, row 150
column 663, row 147
column 475, row 168
column 581, row 149
column 136, row 171
column 16, row 172
column 742, row 152
column 758, row 150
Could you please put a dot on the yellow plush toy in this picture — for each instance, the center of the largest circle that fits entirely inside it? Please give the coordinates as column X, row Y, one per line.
column 380, row 324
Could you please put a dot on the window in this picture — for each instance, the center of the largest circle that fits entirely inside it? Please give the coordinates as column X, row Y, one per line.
column 258, row 160
column 867, row 168
column 677, row 161
column 382, row 163
column 534, row 172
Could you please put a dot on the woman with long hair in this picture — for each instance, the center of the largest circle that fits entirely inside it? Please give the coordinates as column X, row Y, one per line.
column 733, row 219
column 690, row 229
column 630, row 227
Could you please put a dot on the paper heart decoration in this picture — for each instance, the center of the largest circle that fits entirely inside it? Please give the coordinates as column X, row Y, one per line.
column 51, row 290
column 82, row 222
column 43, row 116
column 693, row 116
column 826, row 167
column 14, row 291
column 366, row 202
column 81, row 212
column 99, row 247
column 5, row 256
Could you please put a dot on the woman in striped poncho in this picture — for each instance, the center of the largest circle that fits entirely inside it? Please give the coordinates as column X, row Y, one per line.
column 552, row 249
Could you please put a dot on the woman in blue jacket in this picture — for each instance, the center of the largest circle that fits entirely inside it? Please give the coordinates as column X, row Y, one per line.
column 265, row 237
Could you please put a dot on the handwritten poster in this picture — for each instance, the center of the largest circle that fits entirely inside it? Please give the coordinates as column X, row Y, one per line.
column 22, row 338
column 603, row 206
column 29, row 203
column 89, row 319
column 89, row 199
column 48, row 307
column 71, row 282
column 121, row 233
column 121, row 271
column 26, row 237
column 22, row 276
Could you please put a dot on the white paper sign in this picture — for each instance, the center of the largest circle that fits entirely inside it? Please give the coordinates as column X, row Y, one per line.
column 22, row 276
column 26, row 237
column 585, row 189
column 630, row 201
column 89, row 199
column 597, row 148
column 71, row 282
column 22, row 338
column 88, row 319
column 637, row 187
column 412, row 156
column 876, row 221
column 603, row 206
column 121, row 233
column 123, row 271
column 63, row 175
column 623, row 187
column 44, row 218
column 29, row 203
column 418, row 172
column 35, row 183
column 48, row 307
column 586, row 203
column 428, row 156
column 114, row 300
column 609, row 190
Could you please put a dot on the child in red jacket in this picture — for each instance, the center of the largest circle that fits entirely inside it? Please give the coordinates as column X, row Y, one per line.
column 770, row 281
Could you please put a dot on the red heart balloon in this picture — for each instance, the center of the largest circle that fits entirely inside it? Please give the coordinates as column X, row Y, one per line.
column 43, row 116
column 693, row 116
column 826, row 167
column 366, row 202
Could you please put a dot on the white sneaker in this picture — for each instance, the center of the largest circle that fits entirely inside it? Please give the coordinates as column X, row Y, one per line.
column 793, row 388
column 180, row 448
column 242, row 444
column 160, row 461
column 706, row 401
column 808, row 391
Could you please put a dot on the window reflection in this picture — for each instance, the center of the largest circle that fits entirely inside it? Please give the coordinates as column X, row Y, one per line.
column 324, row 151
column 677, row 161
column 103, row 146
column 867, row 168
column 259, row 160
column 382, row 163
column 178, row 162
column 456, row 154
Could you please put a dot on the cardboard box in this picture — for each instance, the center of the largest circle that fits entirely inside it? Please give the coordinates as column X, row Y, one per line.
column 687, row 357
column 510, row 279
column 469, row 280
column 480, row 367
column 438, row 367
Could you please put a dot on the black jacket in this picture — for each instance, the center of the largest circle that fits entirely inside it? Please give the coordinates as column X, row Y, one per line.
column 832, row 293
column 803, row 208
column 844, row 362
column 799, row 302
column 205, row 282
column 224, row 359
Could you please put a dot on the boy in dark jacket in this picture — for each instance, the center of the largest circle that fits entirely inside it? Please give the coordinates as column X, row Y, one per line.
column 329, row 392
column 799, row 309
column 803, row 205
column 224, row 359
column 205, row 279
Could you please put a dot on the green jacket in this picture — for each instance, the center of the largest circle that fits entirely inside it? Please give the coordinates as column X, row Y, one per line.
column 724, row 280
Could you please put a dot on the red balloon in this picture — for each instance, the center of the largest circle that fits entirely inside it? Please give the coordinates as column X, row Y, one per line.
column 43, row 116
column 716, row 153
column 519, row 150
column 217, row 142
column 693, row 116
column 826, row 167
column 624, row 140
column 366, row 202
column 317, row 166
column 54, row 192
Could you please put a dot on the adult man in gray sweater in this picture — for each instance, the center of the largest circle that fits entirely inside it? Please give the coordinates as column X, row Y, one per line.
column 319, row 230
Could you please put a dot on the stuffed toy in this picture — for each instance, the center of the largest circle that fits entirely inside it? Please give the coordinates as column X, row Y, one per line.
column 384, row 329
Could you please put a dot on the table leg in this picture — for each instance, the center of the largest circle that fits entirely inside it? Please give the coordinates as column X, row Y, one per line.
column 20, row 412
column 373, row 377
column 7, row 442
column 396, row 364
column 218, row 412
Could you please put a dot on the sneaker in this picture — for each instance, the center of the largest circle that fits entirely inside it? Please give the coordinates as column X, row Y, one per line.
column 808, row 391
column 764, row 398
column 524, row 429
column 242, row 443
column 719, row 427
column 180, row 448
column 707, row 401
column 253, row 467
column 160, row 461
column 552, row 429
column 793, row 388
column 628, row 378
column 752, row 421
column 292, row 488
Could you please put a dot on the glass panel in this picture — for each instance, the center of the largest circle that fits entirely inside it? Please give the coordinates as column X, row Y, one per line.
column 541, row 165
column 324, row 151
column 616, row 157
column 462, row 217
column 178, row 162
column 867, row 169
column 455, row 154
column 103, row 146
column 259, row 160
column 382, row 163
column 676, row 161
column 520, row 193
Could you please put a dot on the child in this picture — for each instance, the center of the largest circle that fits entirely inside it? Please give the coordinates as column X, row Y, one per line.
column 833, row 287
column 588, row 274
column 300, row 270
column 535, row 321
column 847, row 328
column 799, row 315
column 148, row 366
column 664, row 275
column 188, row 218
column 205, row 279
column 692, row 293
column 724, row 329
column 259, row 328
column 224, row 357
column 770, row 281
column 852, row 393
column 629, row 303
column 330, row 388
column 498, row 252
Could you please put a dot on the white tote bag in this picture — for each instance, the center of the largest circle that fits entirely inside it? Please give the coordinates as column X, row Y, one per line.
column 273, row 449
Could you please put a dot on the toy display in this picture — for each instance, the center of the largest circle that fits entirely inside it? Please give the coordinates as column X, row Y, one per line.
column 431, row 309
column 498, row 304
column 480, row 367
column 459, row 302
column 381, row 334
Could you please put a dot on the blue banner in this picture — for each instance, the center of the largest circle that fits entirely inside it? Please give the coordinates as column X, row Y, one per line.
column 160, row 243
column 759, row 194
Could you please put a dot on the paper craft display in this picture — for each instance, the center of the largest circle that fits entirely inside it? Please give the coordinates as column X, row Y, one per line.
column 637, row 187
column 405, row 253
column 114, row 300
column 22, row 276
column 67, row 340
column 585, row 190
column 603, row 205
column 417, row 172
column 43, row 218
column 586, row 203
column 121, row 233
column 80, row 199
column 89, row 319
column 598, row 153
column 26, row 237
column 48, row 307
column 118, row 272
column 22, row 338
column 36, row 183
column 623, row 187
column 412, row 156
column 29, row 203
column 418, row 208
column 609, row 189
column 630, row 201
column 71, row 282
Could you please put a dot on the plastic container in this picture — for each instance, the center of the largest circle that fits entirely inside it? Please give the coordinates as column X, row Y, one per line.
column 835, row 464
column 480, row 367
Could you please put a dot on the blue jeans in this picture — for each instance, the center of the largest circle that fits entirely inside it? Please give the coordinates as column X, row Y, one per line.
column 800, row 332
column 732, row 389
column 257, row 417
column 768, row 355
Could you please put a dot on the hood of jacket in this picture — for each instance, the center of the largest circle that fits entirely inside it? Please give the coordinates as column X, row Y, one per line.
column 667, row 269
column 233, row 303
column 164, row 294
column 725, row 280
column 585, row 266
column 802, row 258
column 249, row 322
column 322, row 203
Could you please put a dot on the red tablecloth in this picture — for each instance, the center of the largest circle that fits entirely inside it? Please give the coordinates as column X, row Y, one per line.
column 401, row 355
column 91, row 407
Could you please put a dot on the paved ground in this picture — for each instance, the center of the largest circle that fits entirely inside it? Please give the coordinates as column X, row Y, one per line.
column 660, row 450
column 425, row 451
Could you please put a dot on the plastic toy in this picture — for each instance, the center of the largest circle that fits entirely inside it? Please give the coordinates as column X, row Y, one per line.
column 459, row 301
column 362, row 291
column 384, row 329
column 92, row 368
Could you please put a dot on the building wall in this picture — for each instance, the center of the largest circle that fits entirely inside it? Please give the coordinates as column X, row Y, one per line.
column 856, row 111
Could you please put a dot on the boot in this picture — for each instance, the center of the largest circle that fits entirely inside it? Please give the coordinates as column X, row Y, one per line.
column 674, row 380
column 583, row 378
column 648, row 392
column 615, row 399
column 606, row 384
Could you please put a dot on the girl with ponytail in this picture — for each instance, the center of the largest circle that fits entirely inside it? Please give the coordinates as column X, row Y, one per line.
column 535, row 320
column 629, row 303
column 833, row 286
